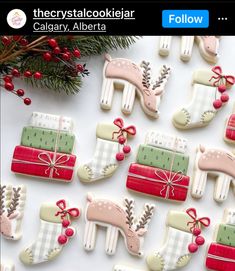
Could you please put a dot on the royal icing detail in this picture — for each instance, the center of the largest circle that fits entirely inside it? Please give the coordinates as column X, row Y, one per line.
column 120, row 73
column 182, row 240
column 209, row 95
column 12, row 202
column 213, row 162
column 118, row 219
column 55, row 231
column 229, row 133
column 111, row 149
column 221, row 253
column 208, row 47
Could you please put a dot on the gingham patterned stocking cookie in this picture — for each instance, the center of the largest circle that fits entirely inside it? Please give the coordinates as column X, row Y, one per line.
column 209, row 95
column 183, row 239
column 54, row 233
column 110, row 149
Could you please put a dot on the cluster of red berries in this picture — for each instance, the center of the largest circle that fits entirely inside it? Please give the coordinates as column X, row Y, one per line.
column 7, row 40
column 199, row 241
column 120, row 156
column 8, row 84
column 68, row 233
column 223, row 98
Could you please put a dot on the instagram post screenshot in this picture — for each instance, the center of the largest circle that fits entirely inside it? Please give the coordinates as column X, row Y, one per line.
column 117, row 135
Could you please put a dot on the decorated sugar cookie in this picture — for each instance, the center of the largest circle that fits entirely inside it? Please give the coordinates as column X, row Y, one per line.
column 111, row 149
column 161, row 167
column 208, row 97
column 123, row 74
column 118, row 219
column 183, row 238
column 221, row 253
column 12, row 204
column 7, row 266
column 55, row 232
column 46, row 148
column 208, row 47
column 119, row 267
column 229, row 131
column 214, row 162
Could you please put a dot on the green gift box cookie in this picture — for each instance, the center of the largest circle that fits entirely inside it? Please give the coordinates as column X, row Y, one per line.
column 226, row 235
column 46, row 139
column 163, row 159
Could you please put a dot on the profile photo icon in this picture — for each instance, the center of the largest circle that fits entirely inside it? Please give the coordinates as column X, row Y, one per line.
column 16, row 18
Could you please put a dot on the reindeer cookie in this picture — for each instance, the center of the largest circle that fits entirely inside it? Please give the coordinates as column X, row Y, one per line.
column 182, row 240
column 208, row 97
column 208, row 47
column 12, row 204
column 123, row 74
column 118, row 219
column 55, row 232
column 6, row 266
column 218, row 163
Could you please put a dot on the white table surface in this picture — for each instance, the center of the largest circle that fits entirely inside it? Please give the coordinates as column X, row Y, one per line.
column 85, row 110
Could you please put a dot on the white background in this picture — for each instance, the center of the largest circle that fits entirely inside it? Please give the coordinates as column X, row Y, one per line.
column 85, row 110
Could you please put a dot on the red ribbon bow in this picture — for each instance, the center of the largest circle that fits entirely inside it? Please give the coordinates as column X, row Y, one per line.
column 218, row 71
column 74, row 212
column 205, row 221
column 131, row 130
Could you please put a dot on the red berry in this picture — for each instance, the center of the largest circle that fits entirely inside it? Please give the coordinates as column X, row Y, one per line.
column 196, row 231
column 27, row 101
column 65, row 223
column 28, row 74
column 66, row 56
column 47, row 56
column 20, row 92
column 126, row 149
column 192, row 247
column 23, row 42
column 9, row 86
column 200, row 240
column 7, row 78
column 56, row 50
column 121, row 140
column 16, row 38
column 80, row 68
column 224, row 97
column 62, row 239
column 69, row 232
column 221, row 88
column 65, row 49
column 120, row 156
column 52, row 43
column 15, row 72
column 77, row 53
column 217, row 104
column 37, row 75
column 6, row 40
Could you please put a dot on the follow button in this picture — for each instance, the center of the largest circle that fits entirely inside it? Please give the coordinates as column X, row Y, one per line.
column 185, row 18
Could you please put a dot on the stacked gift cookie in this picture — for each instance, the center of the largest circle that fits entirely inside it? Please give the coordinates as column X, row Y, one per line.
column 161, row 168
column 46, row 147
column 221, row 253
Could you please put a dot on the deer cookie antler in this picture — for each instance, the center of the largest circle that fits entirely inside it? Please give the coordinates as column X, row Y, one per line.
column 129, row 204
column 14, row 201
column 145, row 217
column 163, row 75
column 146, row 74
column 2, row 192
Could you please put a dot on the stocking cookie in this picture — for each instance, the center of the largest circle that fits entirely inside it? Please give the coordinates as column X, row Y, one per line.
column 123, row 74
column 182, row 240
column 229, row 132
column 221, row 253
column 119, row 267
column 12, row 204
column 217, row 163
column 111, row 149
column 55, row 232
column 118, row 219
column 209, row 95
column 7, row 266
